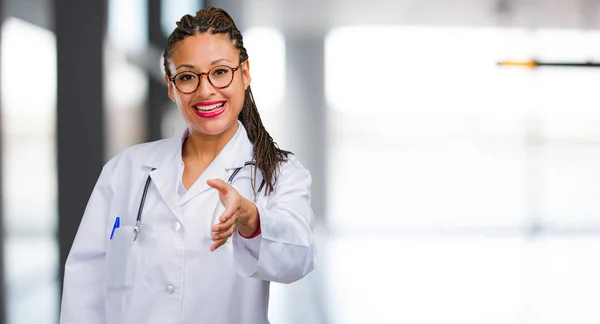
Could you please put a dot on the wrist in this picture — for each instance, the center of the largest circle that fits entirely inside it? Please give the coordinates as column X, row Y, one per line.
column 251, row 227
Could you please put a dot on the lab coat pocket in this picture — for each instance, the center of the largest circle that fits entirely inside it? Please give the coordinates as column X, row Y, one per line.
column 120, row 259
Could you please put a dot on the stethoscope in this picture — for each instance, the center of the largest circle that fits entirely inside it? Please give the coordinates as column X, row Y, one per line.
column 138, row 223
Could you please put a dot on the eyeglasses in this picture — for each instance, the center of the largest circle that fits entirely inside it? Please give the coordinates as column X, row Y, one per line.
column 219, row 77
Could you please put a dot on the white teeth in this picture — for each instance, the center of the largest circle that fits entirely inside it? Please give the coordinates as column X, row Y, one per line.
column 209, row 108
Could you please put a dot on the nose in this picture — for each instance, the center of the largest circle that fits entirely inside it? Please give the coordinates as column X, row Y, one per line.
column 205, row 89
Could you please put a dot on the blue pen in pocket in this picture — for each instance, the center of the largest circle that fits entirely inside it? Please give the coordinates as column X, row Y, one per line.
column 115, row 226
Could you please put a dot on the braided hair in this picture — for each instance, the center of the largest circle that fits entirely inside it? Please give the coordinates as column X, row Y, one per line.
column 267, row 155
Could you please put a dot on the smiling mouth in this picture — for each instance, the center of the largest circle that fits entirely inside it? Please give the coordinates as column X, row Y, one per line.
column 209, row 107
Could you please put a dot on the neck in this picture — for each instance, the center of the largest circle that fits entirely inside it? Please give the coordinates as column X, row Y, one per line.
column 205, row 148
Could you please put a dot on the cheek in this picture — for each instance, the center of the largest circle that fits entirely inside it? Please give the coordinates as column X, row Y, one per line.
column 236, row 98
column 182, row 100
column 182, row 104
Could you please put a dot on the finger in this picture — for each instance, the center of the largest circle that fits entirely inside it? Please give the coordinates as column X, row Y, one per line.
column 217, row 244
column 220, row 230
column 227, row 220
column 219, row 184
column 224, row 232
column 227, row 215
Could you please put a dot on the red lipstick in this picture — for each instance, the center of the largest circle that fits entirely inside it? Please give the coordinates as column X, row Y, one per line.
column 210, row 109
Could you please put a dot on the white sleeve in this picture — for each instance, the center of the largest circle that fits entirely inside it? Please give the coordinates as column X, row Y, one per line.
column 284, row 251
column 83, row 287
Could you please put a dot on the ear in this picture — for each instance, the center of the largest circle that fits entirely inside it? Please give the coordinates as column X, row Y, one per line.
column 246, row 74
column 170, row 88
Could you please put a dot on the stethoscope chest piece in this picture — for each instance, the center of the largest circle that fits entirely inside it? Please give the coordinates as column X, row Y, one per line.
column 137, row 229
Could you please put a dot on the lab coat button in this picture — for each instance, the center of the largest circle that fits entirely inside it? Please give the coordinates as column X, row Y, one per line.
column 170, row 289
column 176, row 226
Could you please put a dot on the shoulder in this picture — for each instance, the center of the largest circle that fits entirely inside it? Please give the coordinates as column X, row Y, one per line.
column 293, row 172
column 136, row 155
column 291, row 164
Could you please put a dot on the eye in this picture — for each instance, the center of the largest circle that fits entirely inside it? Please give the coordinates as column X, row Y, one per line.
column 186, row 77
column 220, row 71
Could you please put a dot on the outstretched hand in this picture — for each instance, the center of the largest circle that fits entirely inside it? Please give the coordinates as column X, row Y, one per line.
column 240, row 214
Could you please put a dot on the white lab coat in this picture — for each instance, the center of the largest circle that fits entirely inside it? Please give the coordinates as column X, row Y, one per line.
column 168, row 275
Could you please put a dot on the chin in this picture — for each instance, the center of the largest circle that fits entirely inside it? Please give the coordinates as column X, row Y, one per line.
column 214, row 127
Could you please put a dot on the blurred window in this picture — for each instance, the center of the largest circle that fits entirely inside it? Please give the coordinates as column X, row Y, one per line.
column 29, row 178
column 427, row 132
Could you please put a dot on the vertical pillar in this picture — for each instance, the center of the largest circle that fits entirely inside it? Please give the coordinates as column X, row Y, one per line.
column 2, row 285
column 80, row 30
column 306, row 109
column 157, row 91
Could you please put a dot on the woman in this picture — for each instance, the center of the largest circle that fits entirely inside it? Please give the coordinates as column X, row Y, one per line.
column 192, row 229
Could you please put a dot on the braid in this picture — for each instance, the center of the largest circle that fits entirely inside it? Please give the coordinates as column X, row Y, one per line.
column 267, row 155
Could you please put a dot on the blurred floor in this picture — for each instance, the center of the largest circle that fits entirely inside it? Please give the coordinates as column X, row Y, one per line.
column 462, row 279
column 385, row 279
column 32, row 291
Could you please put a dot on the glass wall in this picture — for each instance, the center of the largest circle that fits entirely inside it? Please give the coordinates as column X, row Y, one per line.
column 29, row 176
column 473, row 187
column 126, row 84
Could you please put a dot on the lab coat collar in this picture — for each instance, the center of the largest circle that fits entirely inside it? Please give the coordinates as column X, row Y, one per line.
column 238, row 150
column 164, row 166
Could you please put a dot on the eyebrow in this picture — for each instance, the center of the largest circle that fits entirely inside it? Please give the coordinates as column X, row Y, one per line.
column 189, row 66
column 185, row 66
column 219, row 60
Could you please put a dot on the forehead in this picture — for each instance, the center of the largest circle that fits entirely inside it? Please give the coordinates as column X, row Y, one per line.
column 202, row 49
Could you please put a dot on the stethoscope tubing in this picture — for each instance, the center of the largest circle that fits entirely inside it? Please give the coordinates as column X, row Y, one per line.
column 138, row 222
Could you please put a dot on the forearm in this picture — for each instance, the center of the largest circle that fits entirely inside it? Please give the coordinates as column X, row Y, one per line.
column 283, row 252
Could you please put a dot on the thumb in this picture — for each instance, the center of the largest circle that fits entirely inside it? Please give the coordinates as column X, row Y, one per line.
column 218, row 184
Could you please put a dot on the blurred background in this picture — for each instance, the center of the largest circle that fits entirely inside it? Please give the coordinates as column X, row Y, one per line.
column 447, row 189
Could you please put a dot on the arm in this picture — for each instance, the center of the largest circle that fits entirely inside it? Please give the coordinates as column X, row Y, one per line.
column 284, row 250
column 83, row 289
